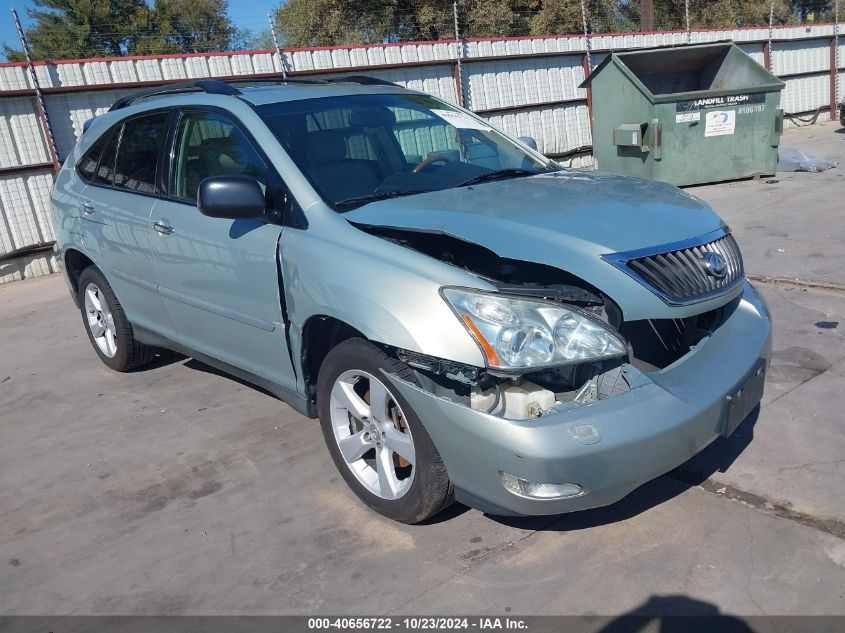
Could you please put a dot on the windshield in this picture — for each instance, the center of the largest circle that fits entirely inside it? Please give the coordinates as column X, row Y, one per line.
column 358, row 148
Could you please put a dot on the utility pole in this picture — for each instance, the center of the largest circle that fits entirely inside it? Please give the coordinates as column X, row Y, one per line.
column 647, row 15
column 40, row 108
column 276, row 44
column 689, row 29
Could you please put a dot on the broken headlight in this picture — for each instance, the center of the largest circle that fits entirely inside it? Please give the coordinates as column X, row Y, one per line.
column 517, row 333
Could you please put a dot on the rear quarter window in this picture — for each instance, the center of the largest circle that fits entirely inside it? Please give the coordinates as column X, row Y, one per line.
column 87, row 166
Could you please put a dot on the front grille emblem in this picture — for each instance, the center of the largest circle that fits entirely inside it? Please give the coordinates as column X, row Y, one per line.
column 688, row 271
column 715, row 265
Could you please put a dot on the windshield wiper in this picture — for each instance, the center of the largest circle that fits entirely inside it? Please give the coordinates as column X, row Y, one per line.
column 372, row 197
column 513, row 172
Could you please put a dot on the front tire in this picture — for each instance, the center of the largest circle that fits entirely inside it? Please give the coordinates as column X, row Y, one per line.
column 105, row 322
column 376, row 440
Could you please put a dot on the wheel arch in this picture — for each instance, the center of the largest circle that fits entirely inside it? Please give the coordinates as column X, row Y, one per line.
column 75, row 261
column 320, row 334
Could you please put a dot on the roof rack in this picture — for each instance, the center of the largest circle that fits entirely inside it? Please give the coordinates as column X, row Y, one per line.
column 364, row 80
column 209, row 86
column 216, row 87
column 357, row 79
column 276, row 80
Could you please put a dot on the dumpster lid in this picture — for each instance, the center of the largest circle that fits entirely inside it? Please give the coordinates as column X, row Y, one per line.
column 668, row 74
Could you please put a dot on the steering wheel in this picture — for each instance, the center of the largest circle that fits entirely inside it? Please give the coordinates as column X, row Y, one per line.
column 437, row 158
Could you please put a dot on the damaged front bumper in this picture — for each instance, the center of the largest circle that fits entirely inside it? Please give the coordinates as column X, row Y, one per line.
column 609, row 447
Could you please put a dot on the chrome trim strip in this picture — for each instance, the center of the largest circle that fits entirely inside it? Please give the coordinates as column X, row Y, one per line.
column 620, row 261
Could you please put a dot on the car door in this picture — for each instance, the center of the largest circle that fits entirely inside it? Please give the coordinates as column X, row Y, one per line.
column 115, row 207
column 219, row 278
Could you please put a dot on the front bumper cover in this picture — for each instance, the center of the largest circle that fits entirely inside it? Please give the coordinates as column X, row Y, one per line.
column 640, row 435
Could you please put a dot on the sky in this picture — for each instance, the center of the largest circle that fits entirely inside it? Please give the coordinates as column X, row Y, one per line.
column 251, row 14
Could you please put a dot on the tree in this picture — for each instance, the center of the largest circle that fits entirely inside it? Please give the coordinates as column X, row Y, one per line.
column 79, row 28
column 70, row 29
column 251, row 40
column 185, row 26
column 564, row 16
column 670, row 14
column 334, row 22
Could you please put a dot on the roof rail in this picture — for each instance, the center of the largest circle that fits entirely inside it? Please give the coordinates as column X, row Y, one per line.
column 276, row 80
column 209, row 86
column 364, row 80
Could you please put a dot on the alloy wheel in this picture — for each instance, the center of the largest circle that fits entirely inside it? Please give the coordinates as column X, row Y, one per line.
column 372, row 434
column 100, row 321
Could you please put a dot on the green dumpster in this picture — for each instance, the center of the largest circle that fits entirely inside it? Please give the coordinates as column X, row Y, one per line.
column 686, row 115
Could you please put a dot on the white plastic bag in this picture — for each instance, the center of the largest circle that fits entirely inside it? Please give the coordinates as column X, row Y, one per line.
column 791, row 159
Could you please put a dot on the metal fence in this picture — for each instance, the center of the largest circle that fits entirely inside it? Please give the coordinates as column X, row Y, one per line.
column 528, row 86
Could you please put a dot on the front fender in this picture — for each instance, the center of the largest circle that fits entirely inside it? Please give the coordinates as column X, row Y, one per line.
column 387, row 292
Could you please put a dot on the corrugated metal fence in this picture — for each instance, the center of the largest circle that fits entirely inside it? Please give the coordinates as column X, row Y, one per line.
column 526, row 86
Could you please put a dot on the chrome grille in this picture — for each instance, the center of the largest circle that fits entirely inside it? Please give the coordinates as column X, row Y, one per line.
column 680, row 275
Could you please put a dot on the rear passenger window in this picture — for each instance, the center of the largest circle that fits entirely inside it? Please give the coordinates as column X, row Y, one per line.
column 137, row 156
column 87, row 167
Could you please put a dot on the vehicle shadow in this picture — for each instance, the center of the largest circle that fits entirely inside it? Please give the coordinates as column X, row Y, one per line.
column 720, row 455
column 717, row 457
column 196, row 365
column 164, row 357
column 675, row 614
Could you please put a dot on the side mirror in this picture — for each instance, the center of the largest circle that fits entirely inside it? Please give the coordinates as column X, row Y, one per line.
column 529, row 141
column 231, row 197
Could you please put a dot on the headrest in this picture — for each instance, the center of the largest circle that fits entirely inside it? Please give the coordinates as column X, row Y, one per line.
column 325, row 146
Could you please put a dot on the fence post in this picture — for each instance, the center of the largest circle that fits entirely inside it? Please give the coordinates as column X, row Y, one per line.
column 767, row 49
column 40, row 108
column 459, row 53
column 276, row 44
column 835, row 60
column 586, row 36
column 588, row 65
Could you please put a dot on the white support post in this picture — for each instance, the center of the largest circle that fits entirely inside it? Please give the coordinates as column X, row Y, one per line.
column 41, row 108
column 276, row 44
column 586, row 35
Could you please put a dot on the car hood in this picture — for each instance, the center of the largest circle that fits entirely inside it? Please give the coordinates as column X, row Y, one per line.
column 565, row 219
column 615, row 213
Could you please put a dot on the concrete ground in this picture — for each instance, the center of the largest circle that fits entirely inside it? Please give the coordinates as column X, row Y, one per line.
column 177, row 490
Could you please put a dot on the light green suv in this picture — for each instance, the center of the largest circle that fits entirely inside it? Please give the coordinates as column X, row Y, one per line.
column 467, row 319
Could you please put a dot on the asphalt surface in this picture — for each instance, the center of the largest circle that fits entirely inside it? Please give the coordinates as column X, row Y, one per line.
column 177, row 490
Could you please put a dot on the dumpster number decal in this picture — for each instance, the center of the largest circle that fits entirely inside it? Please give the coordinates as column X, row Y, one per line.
column 720, row 122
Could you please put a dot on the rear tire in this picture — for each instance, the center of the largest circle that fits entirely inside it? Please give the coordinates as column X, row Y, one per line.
column 105, row 322
column 406, row 490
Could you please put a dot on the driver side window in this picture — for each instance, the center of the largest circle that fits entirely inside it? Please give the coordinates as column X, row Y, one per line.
column 211, row 144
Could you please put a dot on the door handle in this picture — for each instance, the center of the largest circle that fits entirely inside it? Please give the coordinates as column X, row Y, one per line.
column 163, row 229
column 87, row 207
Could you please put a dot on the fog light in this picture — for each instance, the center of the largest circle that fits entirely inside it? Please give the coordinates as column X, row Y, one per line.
column 534, row 490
